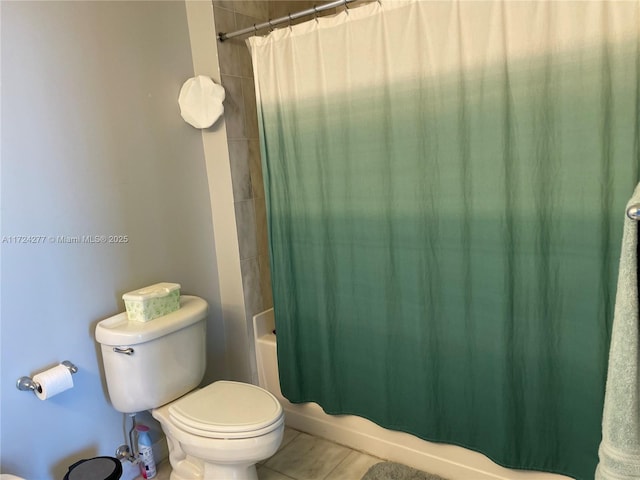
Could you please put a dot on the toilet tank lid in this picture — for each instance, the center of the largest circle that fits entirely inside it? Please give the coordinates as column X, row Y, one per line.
column 119, row 330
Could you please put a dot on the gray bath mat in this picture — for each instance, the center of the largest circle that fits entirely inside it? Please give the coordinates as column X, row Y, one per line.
column 396, row 471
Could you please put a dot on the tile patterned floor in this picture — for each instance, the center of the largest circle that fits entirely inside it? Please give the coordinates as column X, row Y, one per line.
column 304, row 457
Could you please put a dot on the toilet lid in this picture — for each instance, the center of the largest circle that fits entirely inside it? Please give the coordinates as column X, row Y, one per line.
column 227, row 409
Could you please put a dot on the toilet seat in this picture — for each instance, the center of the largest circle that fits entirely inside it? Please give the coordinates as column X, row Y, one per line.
column 227, row 409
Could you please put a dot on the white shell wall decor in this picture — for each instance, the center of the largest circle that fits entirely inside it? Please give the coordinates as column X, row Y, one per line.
column 200, row 101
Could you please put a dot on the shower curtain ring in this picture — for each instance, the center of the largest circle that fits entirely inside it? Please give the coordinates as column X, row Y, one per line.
column 346, row 6
column 289, row 15
column 315, row 13
column 255, row 29
column 270, row 25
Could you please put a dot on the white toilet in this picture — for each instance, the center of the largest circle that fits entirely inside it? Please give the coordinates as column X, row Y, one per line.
column 218, row 432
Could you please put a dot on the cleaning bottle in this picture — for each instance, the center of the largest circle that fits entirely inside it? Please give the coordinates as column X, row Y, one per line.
column 145, row 452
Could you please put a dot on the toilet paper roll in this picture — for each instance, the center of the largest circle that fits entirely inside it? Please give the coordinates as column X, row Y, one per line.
column 53, row 381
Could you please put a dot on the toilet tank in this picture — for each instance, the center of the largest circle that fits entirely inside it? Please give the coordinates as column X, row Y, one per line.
column 149, row 364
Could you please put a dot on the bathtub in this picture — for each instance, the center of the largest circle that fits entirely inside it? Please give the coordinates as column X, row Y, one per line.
column 450, row 461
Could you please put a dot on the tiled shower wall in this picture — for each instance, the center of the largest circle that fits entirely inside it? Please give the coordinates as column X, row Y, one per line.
column 243, row 140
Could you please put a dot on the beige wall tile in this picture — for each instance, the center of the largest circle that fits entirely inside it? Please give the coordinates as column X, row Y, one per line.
column 245, row 67
column 244, row 59
column 253, row 8
column 245, row 21
column 234, row 107
column 255, row 166
column 246, row 225
column 251, row 281
column 261, row 225
column 228, row 52
column 224, row 19
column 250, row 108
column 265, row 281
column 240, row 169
column 229, row 4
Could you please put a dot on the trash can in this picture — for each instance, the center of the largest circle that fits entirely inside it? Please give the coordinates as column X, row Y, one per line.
column 98, row 468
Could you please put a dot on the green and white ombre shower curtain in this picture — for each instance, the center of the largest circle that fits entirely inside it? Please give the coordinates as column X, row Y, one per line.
column 446, row 184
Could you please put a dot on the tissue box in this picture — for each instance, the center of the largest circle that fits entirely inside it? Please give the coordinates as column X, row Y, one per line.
column 152, row 302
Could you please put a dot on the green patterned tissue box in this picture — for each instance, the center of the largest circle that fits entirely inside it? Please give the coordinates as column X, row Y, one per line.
column 152, row 302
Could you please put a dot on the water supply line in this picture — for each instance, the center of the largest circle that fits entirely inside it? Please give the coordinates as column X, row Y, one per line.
column 128, row 451
column 134, row 449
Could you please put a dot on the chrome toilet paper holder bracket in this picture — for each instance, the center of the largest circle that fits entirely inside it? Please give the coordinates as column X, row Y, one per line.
column 27, row 383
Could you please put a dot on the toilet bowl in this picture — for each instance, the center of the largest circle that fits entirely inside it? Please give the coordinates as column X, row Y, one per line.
column 218, row 432
column 222, row 430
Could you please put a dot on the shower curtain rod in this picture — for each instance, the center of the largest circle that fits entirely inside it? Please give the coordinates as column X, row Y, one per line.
column 288, row 19
column 633, row 212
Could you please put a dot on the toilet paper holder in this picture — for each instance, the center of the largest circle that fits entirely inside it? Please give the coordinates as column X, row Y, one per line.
column 27, row 383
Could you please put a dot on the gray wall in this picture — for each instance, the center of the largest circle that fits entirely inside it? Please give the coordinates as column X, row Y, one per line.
column 92, row 144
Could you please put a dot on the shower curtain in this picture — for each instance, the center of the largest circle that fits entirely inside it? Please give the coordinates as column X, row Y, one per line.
column 444, row 183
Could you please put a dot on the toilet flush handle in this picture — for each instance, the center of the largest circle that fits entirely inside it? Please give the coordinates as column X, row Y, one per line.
column 126, row 351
